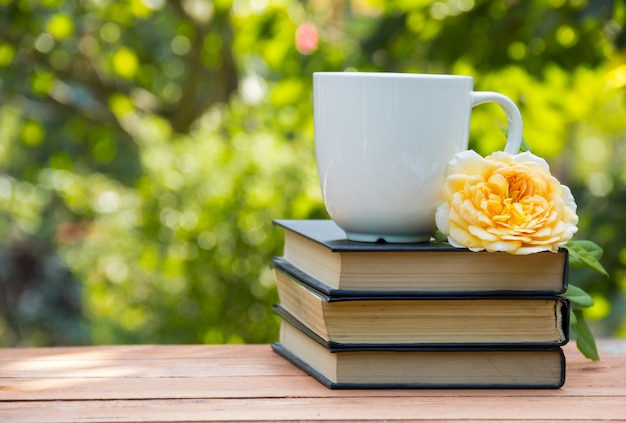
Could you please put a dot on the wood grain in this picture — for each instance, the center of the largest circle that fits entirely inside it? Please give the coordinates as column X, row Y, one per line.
column 251, row 383
column 351, row 408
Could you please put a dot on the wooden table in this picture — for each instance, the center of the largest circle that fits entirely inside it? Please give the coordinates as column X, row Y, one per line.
column 250, row 382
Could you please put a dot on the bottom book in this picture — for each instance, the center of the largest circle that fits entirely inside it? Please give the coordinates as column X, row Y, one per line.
column 382, row 368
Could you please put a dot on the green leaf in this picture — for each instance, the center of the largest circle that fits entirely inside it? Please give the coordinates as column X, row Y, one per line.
column 591, row 247
column 586, row 254
column 578, row 297
column 524, row 147
column 439, row 237
column 584, row 338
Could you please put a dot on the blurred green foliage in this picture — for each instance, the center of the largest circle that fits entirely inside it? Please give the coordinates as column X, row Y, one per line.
column 146, row 145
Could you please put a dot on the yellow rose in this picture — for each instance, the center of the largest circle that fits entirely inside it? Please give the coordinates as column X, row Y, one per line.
column 506, row 203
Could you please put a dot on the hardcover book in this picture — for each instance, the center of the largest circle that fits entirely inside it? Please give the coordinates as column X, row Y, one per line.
column 422, row 320
column 389, row 367
column 320, row 249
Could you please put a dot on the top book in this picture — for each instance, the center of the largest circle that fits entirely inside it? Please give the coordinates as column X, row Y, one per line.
column 320, row 249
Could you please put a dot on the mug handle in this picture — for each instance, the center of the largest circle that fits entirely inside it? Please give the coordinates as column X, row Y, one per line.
column 513, row 117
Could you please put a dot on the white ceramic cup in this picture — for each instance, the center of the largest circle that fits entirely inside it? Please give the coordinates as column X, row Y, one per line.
column 383, row 142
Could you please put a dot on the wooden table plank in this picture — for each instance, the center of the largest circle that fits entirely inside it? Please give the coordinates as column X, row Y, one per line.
column 311, row 409
column 94, row 374
column 209, row 361
column 148, row 368
column 248, row 383
column 271, row 387
column 133, row 352
column 592, row 381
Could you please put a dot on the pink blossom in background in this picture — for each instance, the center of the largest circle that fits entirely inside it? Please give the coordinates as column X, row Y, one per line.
column 306, row 38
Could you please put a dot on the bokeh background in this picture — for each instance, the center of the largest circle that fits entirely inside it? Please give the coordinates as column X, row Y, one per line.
column 146, row 146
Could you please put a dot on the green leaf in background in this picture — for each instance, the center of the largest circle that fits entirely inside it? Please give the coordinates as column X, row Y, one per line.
column 585, row 253
column 584, row 338
column 578, row 297
column 149, row 180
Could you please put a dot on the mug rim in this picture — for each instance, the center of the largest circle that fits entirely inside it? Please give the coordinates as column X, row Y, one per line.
column 358, row 74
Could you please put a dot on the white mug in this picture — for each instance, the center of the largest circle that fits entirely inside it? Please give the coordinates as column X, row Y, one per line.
column 383, row 142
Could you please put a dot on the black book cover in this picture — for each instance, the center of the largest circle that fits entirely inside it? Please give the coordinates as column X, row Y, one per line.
column 305, row 367
column 330, row 294
column 335, row 346
column 329, row 235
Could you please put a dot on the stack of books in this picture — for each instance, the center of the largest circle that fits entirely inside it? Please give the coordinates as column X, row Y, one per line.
column 377, row 315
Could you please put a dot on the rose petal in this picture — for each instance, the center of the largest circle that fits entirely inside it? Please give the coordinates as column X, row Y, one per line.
column 506, row 246
column 461, row 237
column 442, row 219
column 479, row 232
column 532, row 250
column 466, row 162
